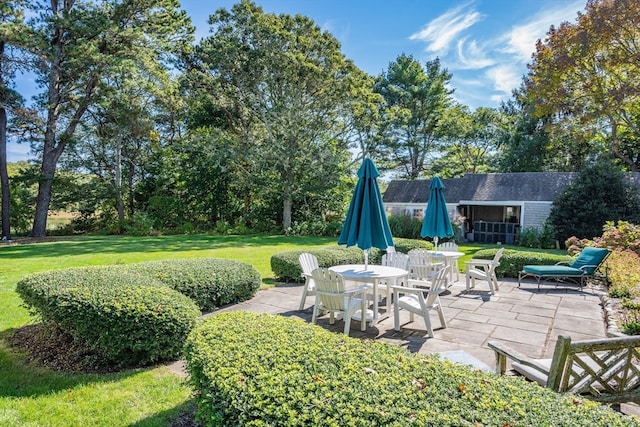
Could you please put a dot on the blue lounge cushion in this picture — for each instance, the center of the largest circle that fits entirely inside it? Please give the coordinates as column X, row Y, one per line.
column 552, row 270
column 591, row 257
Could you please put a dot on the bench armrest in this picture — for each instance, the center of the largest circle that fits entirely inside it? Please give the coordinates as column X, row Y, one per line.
column 504, row 352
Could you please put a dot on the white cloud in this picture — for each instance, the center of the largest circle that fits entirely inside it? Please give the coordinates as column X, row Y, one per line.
column 521, row 40
column 442, row 31
column 471, row 56
column 504, row 77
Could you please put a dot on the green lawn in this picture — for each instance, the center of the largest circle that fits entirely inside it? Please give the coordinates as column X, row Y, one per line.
column 33, row 396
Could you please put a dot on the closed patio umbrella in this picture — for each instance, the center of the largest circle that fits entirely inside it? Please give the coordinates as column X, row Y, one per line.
column 366, row 222
column 436, row 223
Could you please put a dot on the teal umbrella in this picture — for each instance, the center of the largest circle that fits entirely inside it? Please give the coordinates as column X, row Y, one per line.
column 436, row 223
column 366, row 223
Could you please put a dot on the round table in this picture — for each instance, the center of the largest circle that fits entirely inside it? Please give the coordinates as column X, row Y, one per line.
column 372, row 274
column 449, row 258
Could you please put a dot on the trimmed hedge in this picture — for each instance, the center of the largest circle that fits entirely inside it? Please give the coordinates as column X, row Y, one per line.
column 125, row 318
column 286, row 267
column 259, row 370
column 512, row 260
column 209, row 282
column 137, row 314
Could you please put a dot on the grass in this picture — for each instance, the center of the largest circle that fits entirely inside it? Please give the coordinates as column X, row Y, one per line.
column 34, row 396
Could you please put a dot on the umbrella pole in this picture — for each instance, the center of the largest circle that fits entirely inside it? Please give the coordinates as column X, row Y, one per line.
column 366, row 258
column 435, row 239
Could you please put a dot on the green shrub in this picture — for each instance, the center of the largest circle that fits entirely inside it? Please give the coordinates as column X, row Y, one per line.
column 126, row 318
column 512, row 260
column 209, row 282
column 405, row 226
column 258, row 370
column 285, row 265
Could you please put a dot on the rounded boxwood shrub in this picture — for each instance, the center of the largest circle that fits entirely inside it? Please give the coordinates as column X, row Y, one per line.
column 258, row 370
column 209, row 282
column 125, row 318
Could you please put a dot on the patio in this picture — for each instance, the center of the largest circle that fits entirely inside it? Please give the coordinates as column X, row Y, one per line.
column 527, row 319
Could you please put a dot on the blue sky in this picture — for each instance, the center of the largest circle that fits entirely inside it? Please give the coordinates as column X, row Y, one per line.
column 484, row 44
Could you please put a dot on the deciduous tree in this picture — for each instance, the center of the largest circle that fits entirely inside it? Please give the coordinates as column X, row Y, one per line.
column 584, row 76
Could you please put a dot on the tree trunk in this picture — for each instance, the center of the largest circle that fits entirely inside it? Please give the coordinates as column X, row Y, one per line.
column 286, row 211
column 4, row 176
column 118, row 178
column 45, row 186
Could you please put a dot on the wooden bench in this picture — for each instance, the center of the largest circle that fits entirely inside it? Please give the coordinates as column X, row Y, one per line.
column 605, row 370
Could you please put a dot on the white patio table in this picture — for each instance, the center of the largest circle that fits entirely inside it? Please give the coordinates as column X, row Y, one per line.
column 372, row 275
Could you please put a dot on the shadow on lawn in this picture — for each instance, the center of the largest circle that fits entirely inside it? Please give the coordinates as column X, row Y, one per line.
column 21, row 377
column 56, row 247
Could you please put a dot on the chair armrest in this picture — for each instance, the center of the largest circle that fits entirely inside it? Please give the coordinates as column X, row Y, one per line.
column 479, row 262
column 408, row 290
column 358, row 290
column 504, row 352
column 562, row 263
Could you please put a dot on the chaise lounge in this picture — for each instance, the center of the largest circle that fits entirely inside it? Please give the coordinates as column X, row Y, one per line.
column 585, row 266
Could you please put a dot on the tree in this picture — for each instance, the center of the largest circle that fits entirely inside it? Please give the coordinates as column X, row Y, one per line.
column 9, row 100
column 77, row 43
column 598, row 194
column 416, row 101
column 584, row 77
column 282, row 86
column 471, row 141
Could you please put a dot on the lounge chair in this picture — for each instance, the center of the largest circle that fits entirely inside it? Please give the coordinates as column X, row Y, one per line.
column 584, row 267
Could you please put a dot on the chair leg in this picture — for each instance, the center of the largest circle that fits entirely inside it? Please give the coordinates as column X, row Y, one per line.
column 316, row 307
column 443, row 321
column 491, row 288
column 347, row 323
column 363, row 315
column 427, row 322
column 467, row 281
column 396, row 313
column 304, row 297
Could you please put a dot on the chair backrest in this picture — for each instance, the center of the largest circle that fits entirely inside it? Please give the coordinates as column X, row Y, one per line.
column 497, row 256
column 396, row 259
column 448, row 246
column 330, row 288
column 605, row 368
column 438, row 284
column 308, row 262
column 590, row 259
column 422, row 264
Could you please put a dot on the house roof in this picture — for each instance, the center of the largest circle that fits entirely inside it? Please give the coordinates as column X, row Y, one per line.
column 491, row 187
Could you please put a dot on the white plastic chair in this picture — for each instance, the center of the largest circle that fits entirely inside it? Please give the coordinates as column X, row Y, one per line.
column 483, row 269
column 421, row 268
column 419, row 301
column 392, row 259
column 331, row 296
column 451, row 247
column 308, row 262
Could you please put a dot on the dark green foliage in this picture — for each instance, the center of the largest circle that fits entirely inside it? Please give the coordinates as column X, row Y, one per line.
column 248, row 369
column 532, row 237
column 512, row 260
column 126, row 318
column 209, row 282
column 405, row 226
column 599, row 194
column 286, row 267
column 137, row 314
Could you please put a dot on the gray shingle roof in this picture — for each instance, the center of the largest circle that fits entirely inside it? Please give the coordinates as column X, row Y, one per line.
column 522, row 186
